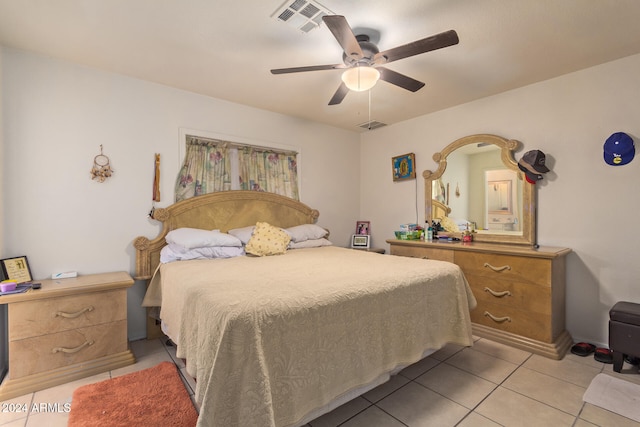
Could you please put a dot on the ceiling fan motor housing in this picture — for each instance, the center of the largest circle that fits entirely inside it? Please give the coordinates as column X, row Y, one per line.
column 369, row 50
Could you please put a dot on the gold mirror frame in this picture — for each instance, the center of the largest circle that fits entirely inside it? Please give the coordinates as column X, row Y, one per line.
column 507, row 148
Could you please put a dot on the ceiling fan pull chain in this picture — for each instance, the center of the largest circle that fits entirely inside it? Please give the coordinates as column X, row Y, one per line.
column 369, row 126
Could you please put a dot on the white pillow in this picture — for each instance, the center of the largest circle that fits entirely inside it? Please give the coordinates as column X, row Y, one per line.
column 189, row 238
column 311, row 243
column 168, row 254
column 244, row 233
column 303, row 232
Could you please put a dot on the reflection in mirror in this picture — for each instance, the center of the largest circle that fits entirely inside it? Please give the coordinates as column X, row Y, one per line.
column 490, row 192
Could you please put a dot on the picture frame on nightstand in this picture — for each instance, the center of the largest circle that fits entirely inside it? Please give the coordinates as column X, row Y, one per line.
column 363, row 227
column 360, row 241
column 16, row 268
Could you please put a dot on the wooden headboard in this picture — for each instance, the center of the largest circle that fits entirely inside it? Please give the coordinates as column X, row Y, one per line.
column 439, row 210
column 222, row 211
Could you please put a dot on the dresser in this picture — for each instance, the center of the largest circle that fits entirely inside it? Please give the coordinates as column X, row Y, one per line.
column 520, row 290
column 69, row 329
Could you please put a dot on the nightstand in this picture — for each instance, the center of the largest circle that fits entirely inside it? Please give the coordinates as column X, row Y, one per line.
column 69, row 329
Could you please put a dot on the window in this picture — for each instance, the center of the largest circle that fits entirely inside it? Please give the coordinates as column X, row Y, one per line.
column 217, row 165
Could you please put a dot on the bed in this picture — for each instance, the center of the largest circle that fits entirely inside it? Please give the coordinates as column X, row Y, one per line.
column 280, row 340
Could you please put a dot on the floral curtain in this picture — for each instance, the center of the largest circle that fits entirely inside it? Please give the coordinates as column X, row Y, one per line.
column 212, row 165
column 206, row 168
column 270, row 171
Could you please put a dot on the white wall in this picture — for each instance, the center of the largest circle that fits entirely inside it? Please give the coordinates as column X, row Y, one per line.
column 584, row 204
column 56, row 116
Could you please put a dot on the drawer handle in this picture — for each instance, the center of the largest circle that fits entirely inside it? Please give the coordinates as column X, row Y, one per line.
column 74, row 315
column 72, row 350
column 497, row 269
column 497, row 319
column 498, row 294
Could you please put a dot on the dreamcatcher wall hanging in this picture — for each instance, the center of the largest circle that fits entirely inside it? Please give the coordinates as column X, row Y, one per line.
column 101, row 169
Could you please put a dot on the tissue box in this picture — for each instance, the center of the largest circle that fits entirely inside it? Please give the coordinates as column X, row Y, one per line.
column 408, row 235
column 408, row 227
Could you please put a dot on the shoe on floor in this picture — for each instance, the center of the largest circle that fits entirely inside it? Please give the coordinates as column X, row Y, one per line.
column 603, row 355
column 583, row 349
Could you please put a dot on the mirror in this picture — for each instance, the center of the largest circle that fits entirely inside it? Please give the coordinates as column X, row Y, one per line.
column 479, row 182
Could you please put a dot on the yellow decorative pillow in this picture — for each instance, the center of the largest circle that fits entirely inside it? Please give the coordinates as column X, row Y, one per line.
column 267, row 240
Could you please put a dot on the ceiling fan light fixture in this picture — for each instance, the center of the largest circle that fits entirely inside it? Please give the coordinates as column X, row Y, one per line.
column 360, row 78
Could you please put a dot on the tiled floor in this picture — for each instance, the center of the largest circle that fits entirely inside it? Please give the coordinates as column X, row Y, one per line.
column 487, row 385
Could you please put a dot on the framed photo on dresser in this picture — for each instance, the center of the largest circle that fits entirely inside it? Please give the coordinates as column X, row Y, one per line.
column 16, row 268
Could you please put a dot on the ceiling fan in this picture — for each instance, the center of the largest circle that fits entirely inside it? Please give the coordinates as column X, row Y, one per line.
column 363, row 61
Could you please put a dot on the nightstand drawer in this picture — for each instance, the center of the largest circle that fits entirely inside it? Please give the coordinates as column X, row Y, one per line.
column 39, row 354
column 45, row 316
column 507, row 267
column 420, row 252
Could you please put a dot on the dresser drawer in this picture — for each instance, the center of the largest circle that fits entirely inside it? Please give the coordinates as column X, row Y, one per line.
column 45, row 316
column 46, row 352
column 511, row 319
column 505, row 267
column 523, row 296
column 425, row 253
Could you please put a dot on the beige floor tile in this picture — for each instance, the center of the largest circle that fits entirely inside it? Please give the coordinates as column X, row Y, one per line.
column 372, row 416
column 509, row 408
column 419, row 368
column 15, row 410
column 460, row 386
column 447, row 351
column 145, row 347
column 483, row 365
column 341, row 413
column 143, row 362
column 546, row 389
column 585, row 360
column 417, row 406
column 476, row 420
column 383, row 390
column 48, row 419
column 566, row 369
column 21, row 422
column 603, row 418
column 582, row 423
column 501, row 351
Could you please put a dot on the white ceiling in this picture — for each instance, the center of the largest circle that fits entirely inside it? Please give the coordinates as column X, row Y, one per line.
column 225, row 48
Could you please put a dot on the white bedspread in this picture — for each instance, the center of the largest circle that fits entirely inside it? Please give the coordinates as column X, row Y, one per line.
column 271, row 339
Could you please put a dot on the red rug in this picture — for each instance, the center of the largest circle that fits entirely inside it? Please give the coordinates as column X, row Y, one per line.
column 151, row 397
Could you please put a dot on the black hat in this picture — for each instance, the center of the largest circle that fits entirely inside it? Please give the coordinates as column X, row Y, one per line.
column 534, row 161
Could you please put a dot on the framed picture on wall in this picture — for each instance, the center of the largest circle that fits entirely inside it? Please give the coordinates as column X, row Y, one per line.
column 363, row 227
column 16, row 268
column 360, row 241
column 404, row 167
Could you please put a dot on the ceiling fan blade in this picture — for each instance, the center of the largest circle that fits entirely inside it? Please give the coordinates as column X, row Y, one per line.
column 400, row 80
column 337, row 98
column 344, row 34
column 310, row 68
column 438, row 41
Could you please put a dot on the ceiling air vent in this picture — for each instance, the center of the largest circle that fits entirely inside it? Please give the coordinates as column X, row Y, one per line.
column 372, row 124
column 304, row 15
